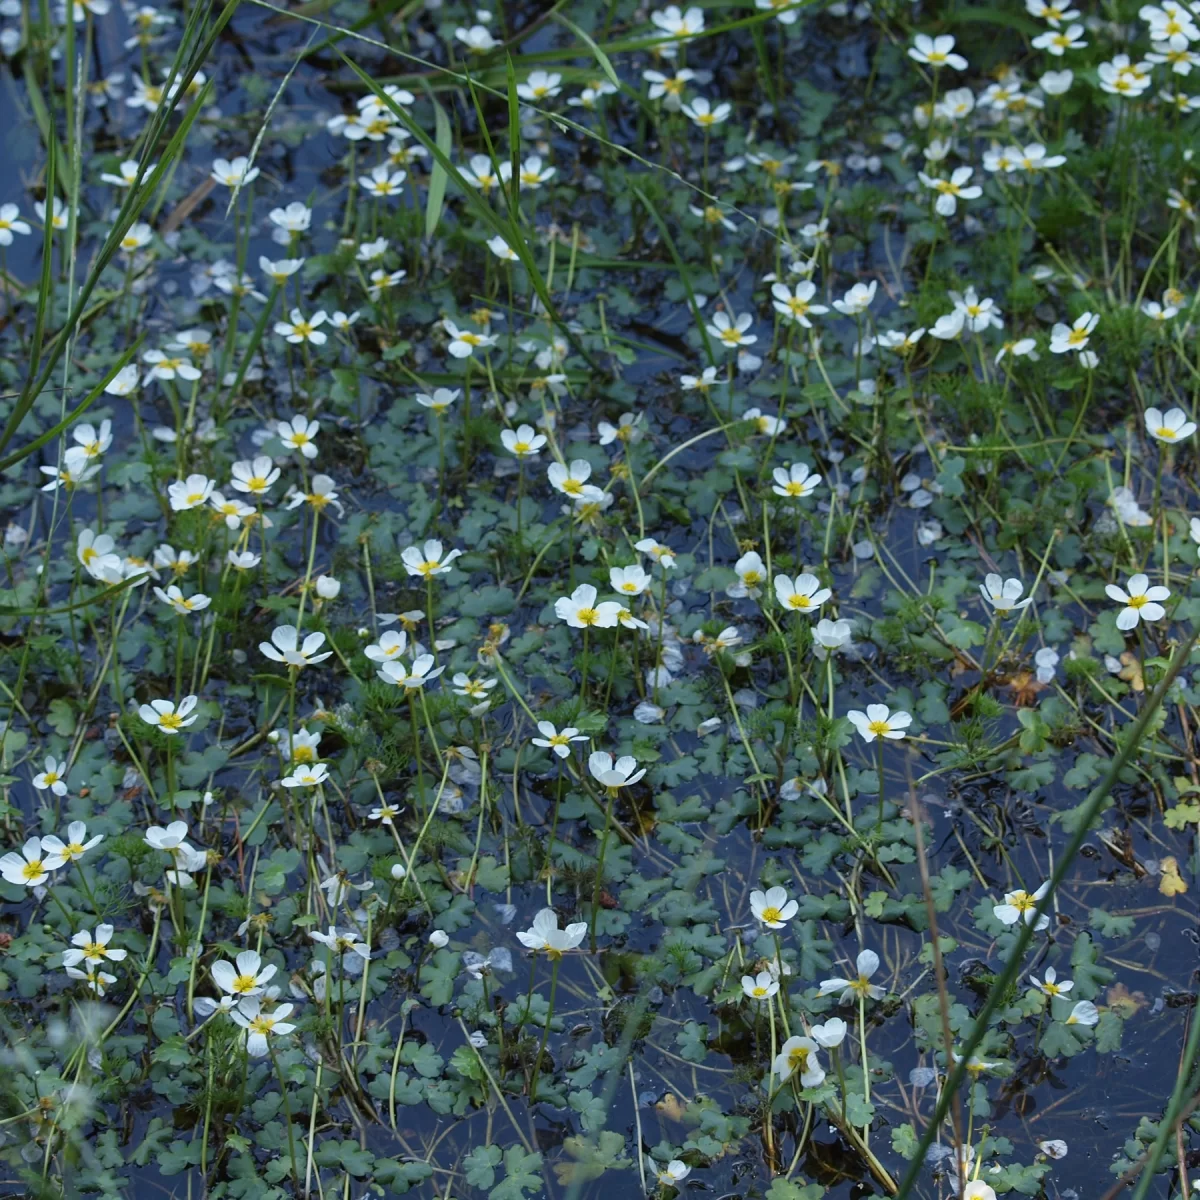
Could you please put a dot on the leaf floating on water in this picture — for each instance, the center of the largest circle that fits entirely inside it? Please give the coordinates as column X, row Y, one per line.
column 1171, row 882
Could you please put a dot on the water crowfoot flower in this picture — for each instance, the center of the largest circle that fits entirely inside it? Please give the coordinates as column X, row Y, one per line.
column 260, row 1026
column 798, row 1056
column 1141, row 602
column 285, row 647
column 544, row 934
column 760, row 987
column 248, row 978
column 879, row 722
column 167, row 717
column 581, row 611
column 1021, row 905
column 622, row 773
column 1004, row 594
column 32, row 866
column 804, row 595
column 54, row 777
column 866, row 965
column 773, row 908
column 1172, row 426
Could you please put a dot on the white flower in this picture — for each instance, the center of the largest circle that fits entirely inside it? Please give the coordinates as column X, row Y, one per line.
column 936, row 52
column 1021, row 906
column 418, row 676
column 544, row 934
column 751, row 573
column 765, row 424
column 1141, row 602
column 234, row 173
column 183, row 605
column 795, row 305
column 622, row 773
column 1065, row 338
column 167, row 717
column 85, row 948
column 977, row 314
column 569, row 480
column 32, row 866
column 75, row 846
column 629, row 581
column 248, row 978
column 1058, row 41
column 190, row 492
column 805, row 594
column 285, row 647
column 541, row 85
column 464, row 342
column 831, row 1034
column 663, row 555
column 260, row 1026
column 879, row 721
column 866, row 965
column 299, row 329
column 439, row 939
column 299, row 434
column 761, row 986
column 772, row 907
column 306, row 776
column 701, row 113
column 1084, row 1013
column 669, row 88
column 798, row 1055
column 477, row 39
column 732, row 333
column 672, row 1175
column 524, row 441
column 580, row 609
column 795, row 481
column 857, row 300
column 1004, row 595
column 255, row 478
column 440, row 401
column 951, row 191
column 382, row 181
column 53, row 777
column 1171, row 426
column 427, row 560
column 1049, row 986
column 558, row 741
column 1056, row 83
column 832, row 635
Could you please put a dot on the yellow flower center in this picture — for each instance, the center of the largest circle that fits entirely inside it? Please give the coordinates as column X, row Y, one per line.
column 879, row 728
column 794, row 489
column 72, row 850
column 1165, row 433
column 759, row 993
column 243, row 984
column 1077, row 337
column 303, row 754
column 31, row 870
column 262, row 1025
column 1023, row 902
column 796, row 600
column 771, row 913
column 587, row 616
column 1137, row 601
column 862, row 985
column 798, row 1059
column 170, row 721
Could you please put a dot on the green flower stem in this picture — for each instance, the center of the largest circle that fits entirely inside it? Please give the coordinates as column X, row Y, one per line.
column 537, row 1062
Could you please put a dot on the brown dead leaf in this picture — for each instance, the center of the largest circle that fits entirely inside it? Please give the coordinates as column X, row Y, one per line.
column 1124, row 1002
column 1131, row 672
column 184, row 208
column 672, row 1108
column 1024, row 686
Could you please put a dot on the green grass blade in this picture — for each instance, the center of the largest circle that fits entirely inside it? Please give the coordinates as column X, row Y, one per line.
column 602, row 58
column 436, row 198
